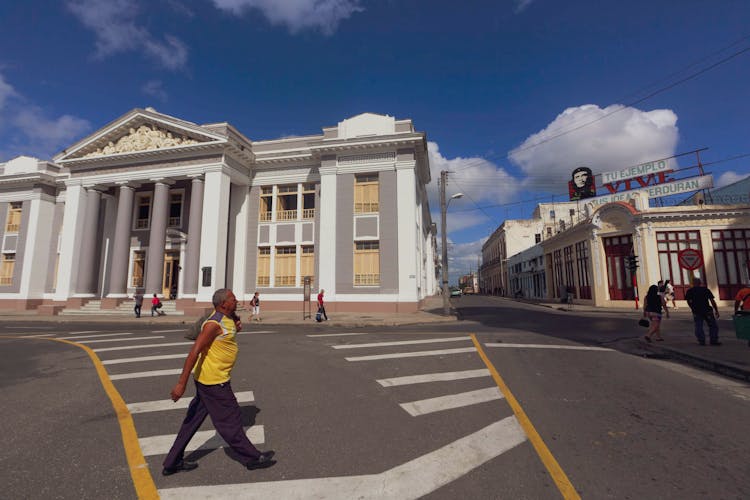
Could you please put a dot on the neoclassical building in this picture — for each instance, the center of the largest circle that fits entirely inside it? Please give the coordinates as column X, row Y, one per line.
column 157, row 204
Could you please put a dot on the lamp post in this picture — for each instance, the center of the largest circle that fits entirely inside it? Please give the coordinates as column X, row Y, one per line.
column 444, row 243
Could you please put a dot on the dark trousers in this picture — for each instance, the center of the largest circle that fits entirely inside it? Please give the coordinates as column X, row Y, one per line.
column 713, row 327
column 137, row 310
column 322, row 311
column 219, row 402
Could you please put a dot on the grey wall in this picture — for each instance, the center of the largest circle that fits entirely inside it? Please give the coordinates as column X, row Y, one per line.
column 388, row 233
column 344, row 233
column 252, row 239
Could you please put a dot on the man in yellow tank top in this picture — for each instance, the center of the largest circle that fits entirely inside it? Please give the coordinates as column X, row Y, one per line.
column 211, row 360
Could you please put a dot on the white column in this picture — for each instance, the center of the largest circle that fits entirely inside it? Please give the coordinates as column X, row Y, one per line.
column 407, row 233
column 70, row 246
column 38, row 243
column 214, row 233
column 326, row 251
column 240, row 206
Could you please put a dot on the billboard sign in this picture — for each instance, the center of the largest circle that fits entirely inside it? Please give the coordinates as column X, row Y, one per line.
column 581, row 184
column 644, row 169
column 670, row 188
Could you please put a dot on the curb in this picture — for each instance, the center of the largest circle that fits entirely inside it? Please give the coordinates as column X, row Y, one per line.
column 725, row 368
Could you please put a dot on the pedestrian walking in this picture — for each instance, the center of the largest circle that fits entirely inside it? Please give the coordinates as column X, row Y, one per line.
column 156, row 306
column 742, row 301
column 669, row 293
column 321, row 307
column 138, row 298
column 211, row 360
column 255, row 307
column 653, row 305
column 702, row 303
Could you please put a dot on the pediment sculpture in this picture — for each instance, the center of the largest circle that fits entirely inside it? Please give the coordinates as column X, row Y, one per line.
column 144, row 138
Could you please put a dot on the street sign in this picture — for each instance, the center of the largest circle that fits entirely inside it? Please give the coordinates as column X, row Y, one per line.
column 690, row 259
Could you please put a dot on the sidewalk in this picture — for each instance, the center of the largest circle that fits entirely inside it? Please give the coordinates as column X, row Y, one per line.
column 731, row 358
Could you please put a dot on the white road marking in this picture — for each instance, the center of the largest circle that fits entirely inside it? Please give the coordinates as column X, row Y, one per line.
column 169, row 331
column 143, row 358
column 400, row 342
column 121, row 340
column 416, row 354
column 337, row 334
column 411, row 480
column 155, row 373
column 425, row 406
column 31, row 327
column 203, row 440
column 549, row 346
column 433, row 377
column 255, row 331
column 32, row 335
column 184, row 402
column 143, row 346
column 85, row 331
column 78, row 337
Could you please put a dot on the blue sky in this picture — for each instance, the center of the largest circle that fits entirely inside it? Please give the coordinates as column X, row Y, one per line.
column 486, row 80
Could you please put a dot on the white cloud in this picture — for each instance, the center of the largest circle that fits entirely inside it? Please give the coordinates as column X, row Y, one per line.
column 729, row 177
column 297, row 15
column 155, row 88
column 114, row 23
column 626, row 137
column 522, row 4
column 481, row 181
column 26, row 129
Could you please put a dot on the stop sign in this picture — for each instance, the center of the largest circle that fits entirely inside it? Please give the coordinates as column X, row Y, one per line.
column 690, row 259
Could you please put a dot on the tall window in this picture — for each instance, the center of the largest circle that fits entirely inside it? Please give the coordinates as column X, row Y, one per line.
column 367, row 263
column 568, row 256
column 732, row 256
column 139, row 264
column 619, row 276
column 175, row 209
column 558, row 270
column 264, row 266
column 307, row 264
column 582, row 261
column 366, row 196
column 7, row 264
column 143, row 211
column 285, row 266
column 286, row 202
column 669, row 243
column 308, row 201
column 266, row 198
column 14, row 217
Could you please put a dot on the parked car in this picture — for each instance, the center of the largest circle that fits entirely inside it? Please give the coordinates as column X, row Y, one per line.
column 455, row 293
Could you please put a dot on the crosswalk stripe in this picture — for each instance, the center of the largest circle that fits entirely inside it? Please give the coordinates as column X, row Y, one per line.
column 155, row 373
column 143, row 358
column 85, row 331
column 433, row 377
column 416, row 354
column 401, row 342
column 142, row 346
column 77, row 337
column 425, row 406
column 255, row 331
column 549, row 346
column 337, row 334
column 131, row 339
column 168, row 331
column 184, row 402
column 26, row 335
column 414, row 479
column 202, row 440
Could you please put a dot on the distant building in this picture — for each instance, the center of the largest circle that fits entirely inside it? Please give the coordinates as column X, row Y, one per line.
column 154, row 203
column 469, row 283
column 526, row 274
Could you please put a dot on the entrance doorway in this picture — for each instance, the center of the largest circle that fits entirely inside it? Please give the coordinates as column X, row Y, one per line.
column 619, row 276
column 171, row 275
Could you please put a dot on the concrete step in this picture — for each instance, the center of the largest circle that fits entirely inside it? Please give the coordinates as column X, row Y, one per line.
column 93, row 307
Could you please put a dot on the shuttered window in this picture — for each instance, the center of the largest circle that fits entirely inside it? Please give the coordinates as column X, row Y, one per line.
column 264, row 266
column 367, row 263
column 14, row 217
column 7, row 264
column 285, row 266
column 366, row 197
column 139, row 263
column 307, row 264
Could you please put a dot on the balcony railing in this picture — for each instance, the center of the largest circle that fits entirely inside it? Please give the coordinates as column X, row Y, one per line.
column 266, row 216
column 6, row 280
column 286, row 215
column 367, row 279
column 12, row 228
column 284, row 280
column 264, row 280
column 308, row 213
column 175, row 222
column 141, row 224
column 361, row 208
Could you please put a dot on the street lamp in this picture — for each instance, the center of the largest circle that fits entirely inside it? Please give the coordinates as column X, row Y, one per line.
column 444, row 218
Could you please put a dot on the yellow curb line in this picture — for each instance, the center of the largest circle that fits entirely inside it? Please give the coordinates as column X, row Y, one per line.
column 558, row 475
column 139, row 472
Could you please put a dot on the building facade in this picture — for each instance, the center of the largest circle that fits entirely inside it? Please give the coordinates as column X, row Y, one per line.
column 158, row 204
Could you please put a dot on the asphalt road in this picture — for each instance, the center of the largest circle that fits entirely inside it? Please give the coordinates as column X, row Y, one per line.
column 572, row 404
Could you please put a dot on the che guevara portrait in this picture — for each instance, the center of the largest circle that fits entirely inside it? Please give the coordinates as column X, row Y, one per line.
column 581, row 184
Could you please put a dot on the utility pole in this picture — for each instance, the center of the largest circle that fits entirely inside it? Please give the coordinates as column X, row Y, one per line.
column 444, row 242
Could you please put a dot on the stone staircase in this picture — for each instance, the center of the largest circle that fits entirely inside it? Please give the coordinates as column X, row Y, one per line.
column 94, row 308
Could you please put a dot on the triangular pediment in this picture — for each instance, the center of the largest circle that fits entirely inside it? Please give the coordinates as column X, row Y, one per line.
column 140, row 131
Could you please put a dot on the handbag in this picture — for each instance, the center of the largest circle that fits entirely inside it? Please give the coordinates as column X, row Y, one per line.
column 643, row 322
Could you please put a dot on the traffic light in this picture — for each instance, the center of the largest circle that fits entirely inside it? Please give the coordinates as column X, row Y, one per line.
column 632, row 262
